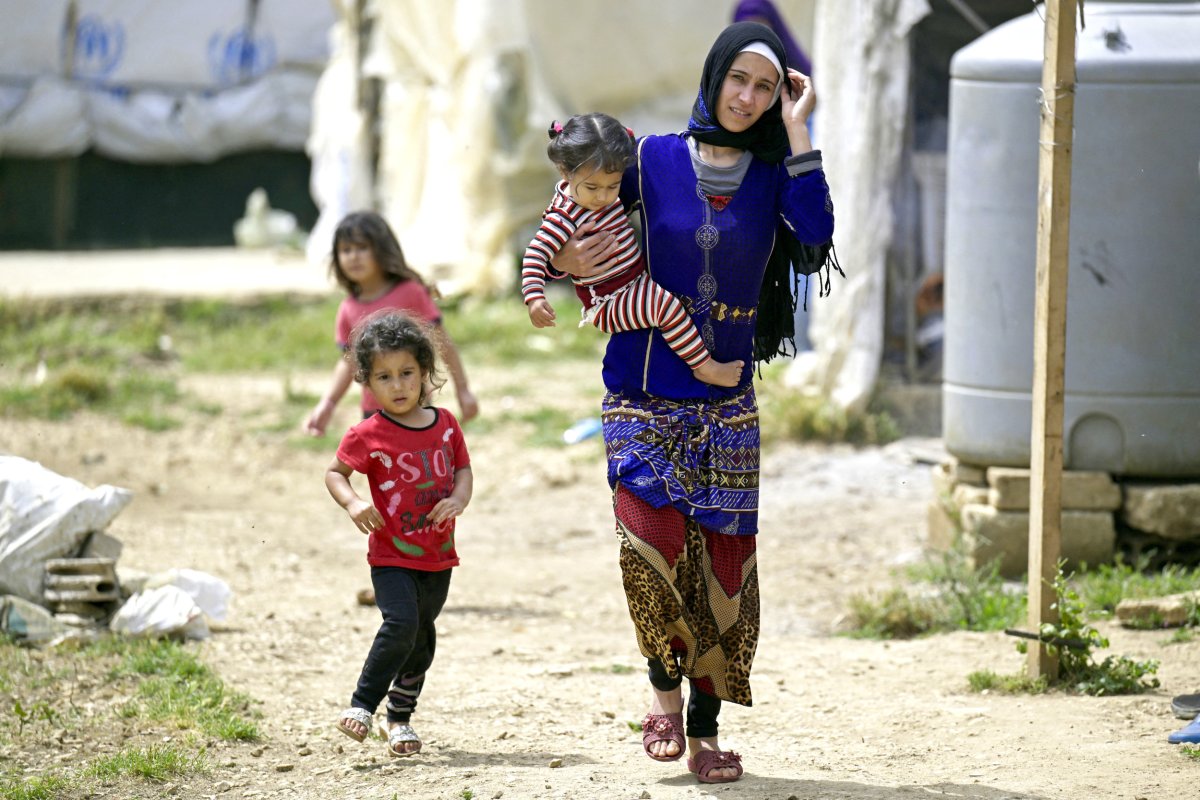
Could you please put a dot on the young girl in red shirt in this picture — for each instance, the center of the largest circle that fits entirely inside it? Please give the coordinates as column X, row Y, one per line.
column 419, row 472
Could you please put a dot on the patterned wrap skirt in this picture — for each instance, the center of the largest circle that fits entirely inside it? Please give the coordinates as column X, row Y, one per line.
column 685, row 481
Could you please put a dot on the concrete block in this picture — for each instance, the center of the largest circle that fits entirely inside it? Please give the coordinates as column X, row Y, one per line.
column 1171, row 511
column 1081, row 490
column 990, row 534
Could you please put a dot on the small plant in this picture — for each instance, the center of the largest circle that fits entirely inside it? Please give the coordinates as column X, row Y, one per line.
column 1077, row 671
column 1183, row 635
column 41, row 710
column 466, row 794
column 1190, row 751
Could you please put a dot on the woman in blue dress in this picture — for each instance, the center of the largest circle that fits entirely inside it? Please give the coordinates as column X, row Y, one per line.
column 715, row 202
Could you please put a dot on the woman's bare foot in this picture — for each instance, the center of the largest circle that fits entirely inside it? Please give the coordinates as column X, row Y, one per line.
column 665, row 703
column 719, row 373
column 710, row 743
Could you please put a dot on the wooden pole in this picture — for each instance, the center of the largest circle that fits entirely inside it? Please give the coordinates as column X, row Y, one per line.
column 1050, row 324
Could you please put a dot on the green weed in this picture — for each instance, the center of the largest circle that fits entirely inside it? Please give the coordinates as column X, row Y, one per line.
column 1104, row 586
column 43, row 787
column 988, row 681
column 787, row 415
column 156, row 763
column 943, row 594
column 175, row 687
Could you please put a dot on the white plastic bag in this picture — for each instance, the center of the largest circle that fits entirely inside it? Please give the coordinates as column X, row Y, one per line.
column 163, row 611
column 211, row 594
column 44, row 515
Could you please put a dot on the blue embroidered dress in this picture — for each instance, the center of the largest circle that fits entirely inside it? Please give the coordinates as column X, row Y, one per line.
column 672, row 439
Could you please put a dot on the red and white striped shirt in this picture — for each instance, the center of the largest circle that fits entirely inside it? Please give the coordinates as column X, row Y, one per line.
column 559, row 221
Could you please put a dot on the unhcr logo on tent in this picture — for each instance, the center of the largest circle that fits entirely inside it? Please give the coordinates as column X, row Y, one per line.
column 98, row 47
column 239, row 56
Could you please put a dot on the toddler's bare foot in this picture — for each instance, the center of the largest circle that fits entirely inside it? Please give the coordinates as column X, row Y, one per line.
column 720, row 373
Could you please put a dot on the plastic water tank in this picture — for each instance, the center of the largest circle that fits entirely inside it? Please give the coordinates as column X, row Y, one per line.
column 1132, row 403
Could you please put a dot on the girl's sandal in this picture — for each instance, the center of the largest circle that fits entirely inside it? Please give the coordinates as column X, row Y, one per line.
column 707, row 761
column 402, row 734
column 663, row 728
column 359, row 715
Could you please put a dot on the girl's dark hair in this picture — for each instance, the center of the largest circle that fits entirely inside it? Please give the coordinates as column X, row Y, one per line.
column 371, row 229
column 591, row 139
column 387, row 331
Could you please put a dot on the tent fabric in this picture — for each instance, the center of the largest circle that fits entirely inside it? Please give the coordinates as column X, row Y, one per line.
column 153, row 82
column 862, row 60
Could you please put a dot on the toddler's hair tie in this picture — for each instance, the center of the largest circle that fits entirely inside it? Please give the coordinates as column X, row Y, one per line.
column 555, row 129
column 630, row 132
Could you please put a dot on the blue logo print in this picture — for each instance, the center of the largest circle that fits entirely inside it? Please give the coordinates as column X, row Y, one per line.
column 237, row 56
column 98, row 47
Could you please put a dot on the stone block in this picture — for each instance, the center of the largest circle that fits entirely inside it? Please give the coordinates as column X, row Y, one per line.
column 990, row 534
column 1171, row 511
column 942, row 477
column 968, row 473
column 1170, row 611
column 966, row 495
column 941, row 528
column 1081, row 490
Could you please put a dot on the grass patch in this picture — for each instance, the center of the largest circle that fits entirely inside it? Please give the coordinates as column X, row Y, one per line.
column 1104, row 586
column 156, row 763
column 169, row 690
column 173, row 686
column 43, row 787
column 123, row 357
column 988, row 681
column 943, row 594
column 787, row 415
column 500, row 333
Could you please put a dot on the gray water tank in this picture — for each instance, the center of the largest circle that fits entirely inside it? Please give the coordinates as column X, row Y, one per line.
column 1132, row 404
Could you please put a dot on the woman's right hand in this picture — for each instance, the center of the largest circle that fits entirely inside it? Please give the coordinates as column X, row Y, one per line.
column 586, row 252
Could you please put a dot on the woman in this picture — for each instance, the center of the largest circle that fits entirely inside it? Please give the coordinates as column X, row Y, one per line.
column 683, row 455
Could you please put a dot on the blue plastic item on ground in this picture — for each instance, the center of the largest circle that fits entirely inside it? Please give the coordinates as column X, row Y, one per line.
column 583, row 429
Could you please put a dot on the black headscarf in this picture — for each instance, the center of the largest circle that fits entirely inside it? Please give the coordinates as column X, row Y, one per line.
column 767, row 138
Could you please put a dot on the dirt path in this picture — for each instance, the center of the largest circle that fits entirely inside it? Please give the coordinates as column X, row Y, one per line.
column 538, row 676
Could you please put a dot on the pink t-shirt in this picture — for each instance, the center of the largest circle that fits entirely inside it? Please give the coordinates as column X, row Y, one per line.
column 409, row 470
column 408, row 296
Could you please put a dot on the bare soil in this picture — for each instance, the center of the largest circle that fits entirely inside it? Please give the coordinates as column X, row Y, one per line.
column 537, row 677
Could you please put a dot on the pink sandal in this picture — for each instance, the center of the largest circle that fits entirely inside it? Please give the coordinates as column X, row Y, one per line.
column 663, row 728
column 706, row 761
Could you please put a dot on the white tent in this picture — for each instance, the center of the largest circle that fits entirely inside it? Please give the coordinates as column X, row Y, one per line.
column 153, row 82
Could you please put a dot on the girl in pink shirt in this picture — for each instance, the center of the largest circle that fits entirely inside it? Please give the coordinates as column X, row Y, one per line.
column 368, row 263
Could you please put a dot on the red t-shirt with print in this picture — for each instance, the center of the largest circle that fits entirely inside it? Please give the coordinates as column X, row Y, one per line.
column 409, row 470
column 408, row 296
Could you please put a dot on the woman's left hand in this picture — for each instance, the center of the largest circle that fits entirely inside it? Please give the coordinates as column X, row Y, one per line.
column 799, row 98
